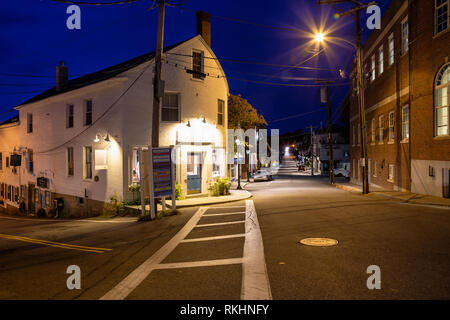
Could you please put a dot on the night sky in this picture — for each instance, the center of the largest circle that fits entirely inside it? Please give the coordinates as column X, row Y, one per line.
column 34, row 38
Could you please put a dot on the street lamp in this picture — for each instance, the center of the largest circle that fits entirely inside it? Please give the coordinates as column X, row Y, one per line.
column 319, row 37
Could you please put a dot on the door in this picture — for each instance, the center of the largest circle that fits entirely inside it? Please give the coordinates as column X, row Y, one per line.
column 31, row 198
column 194, row 173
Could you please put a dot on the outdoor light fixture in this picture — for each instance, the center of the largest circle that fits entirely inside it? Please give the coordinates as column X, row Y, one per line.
column 96, row 138
column 107, row 138
column 319, row 37
column 204, row 120
column 188, row 124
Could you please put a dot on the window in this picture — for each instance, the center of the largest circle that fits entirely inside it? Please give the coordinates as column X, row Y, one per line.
column 381, row 128
column 16, row 194
column 405, row 122
column 70, row 161
column 373, row 130
column 391, row 126
column 405, row 35
column 2, row 190
column 135, row 168
column 69, row 116
column 87, row 112
column 197, row 65
column 442, row 88
column 441, row 16
column 380, row 60
column 391, row 49
column 30, row 161
column 170, row 110
column 9, row 193
column 220, row 112
column 100, row 159
column 87, row 170
column 218, row 158
column 7, row 162
column 391, row 173
column 372, row 68
column 1, row 161
column 29, row 122
column 374, row 169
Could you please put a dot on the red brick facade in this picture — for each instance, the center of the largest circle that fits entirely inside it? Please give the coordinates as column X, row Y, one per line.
column 404, row 87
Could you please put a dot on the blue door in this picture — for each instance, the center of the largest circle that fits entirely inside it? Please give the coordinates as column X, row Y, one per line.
column 194, row 173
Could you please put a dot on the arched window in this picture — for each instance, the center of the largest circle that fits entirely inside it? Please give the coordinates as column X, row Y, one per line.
column 442, row 88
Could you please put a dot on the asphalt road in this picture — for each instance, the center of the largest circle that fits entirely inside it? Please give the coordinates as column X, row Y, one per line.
column 410, row 244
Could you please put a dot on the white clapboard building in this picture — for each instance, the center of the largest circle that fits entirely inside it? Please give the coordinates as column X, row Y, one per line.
column 78, row 141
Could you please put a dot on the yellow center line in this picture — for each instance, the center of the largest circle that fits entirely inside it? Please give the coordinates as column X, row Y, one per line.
column 55, row 244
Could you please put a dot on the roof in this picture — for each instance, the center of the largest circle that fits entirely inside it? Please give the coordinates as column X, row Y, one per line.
column 10, row 120
column 101, row 75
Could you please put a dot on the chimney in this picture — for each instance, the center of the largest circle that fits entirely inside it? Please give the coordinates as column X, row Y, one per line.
column 61, row 76
column 204, row 26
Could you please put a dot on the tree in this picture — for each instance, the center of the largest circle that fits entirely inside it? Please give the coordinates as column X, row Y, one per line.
column 242, row 114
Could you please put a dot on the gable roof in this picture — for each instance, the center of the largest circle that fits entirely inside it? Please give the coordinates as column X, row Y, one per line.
column 101, row 75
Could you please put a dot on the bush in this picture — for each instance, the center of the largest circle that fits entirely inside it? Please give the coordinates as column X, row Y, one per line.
column 220, row 187
column 178, row 191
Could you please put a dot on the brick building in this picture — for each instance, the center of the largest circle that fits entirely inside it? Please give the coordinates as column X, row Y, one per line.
column 406, row 80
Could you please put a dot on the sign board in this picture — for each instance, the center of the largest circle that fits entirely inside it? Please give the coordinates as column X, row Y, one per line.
column 161, row 163
column 42, row 182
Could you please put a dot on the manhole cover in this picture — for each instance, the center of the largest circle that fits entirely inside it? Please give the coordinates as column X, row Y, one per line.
column 319, row 242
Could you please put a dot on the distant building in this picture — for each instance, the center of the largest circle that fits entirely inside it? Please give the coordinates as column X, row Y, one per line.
column 407, row 80
column 79, row 140
column 341, row 151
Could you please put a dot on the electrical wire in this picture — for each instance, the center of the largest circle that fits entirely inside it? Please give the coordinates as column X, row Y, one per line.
column 96, row 3
column 294, row 116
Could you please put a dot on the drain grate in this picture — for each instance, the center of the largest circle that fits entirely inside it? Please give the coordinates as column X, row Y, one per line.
column 319, row 242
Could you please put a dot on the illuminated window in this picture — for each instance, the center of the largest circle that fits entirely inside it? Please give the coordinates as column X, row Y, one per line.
column 391, row 173
column 135, row 168
column 391, row 49
column 405, row 122
column 441, row 15
column 405, row 35
column 380, row 60
column 100, row 159
column 372, row 68
column 373, row 130
column 442, row 88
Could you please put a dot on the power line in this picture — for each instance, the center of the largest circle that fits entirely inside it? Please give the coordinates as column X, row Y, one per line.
column 96, row 3
column 295, row 116
column 285, row 84
column 257, row 63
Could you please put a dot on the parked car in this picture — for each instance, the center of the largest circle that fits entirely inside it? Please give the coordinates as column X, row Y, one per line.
column 262, row 174
column 343, row 171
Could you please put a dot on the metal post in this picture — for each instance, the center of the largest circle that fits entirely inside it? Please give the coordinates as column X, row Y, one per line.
column 330, row 136
column 141, row 182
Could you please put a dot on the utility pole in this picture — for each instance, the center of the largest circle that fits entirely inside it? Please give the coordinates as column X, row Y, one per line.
column 330, row 136
column 359, row 79
column 312, row 150
column 158, row 84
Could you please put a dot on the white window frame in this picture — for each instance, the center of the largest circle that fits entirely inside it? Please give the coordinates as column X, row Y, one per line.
column 177, row 94
column 202, row 64
column 405, row 123
column 442, row 87
column 85, row 163
column 85, row 112
column 219, row 101
column 372, row 68
column 391, row 49
column 391, row 172
column 405, row 37
column 381, row 128
column 380, row 60
column 436, row 8
column 391, row 120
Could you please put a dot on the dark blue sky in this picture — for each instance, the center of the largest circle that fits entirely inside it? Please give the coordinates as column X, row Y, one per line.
column 34, row 38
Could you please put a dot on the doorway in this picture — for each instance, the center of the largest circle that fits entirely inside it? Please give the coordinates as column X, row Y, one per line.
column 194, row 172
column 31, row 198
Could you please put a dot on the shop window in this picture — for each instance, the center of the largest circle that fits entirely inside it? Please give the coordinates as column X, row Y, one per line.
column 100, row 157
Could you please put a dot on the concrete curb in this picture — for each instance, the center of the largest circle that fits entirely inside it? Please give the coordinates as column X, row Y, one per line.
column 347, row 188
column 216, row 200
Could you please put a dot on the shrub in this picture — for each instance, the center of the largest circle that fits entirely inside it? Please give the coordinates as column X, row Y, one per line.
column 178, row 191
column 220, row 187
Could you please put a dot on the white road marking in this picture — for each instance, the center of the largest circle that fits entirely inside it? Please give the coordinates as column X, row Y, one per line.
column 222, row 214
column 127, row 285
column 218, row 224
column 226, row 207
column 229, row 236
column 255, row 281
column 207, row 263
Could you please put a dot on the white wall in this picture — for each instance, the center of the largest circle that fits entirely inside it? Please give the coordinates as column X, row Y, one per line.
column 422, row 183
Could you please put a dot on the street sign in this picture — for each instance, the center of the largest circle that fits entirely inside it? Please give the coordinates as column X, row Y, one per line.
column 162, row 172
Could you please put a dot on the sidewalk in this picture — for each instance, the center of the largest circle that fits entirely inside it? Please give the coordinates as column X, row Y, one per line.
column 406, row 197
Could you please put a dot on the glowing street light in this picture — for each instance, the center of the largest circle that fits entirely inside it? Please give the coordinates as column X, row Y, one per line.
column 319, row 37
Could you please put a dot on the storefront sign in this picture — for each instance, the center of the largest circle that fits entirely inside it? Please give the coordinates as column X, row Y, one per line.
column 161, row 162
